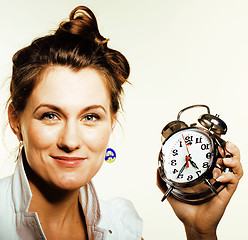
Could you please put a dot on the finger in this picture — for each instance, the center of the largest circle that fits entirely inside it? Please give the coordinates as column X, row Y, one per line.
column 220, row 164
column 234, row 161
column 227, row 177
column 221, row 151
column 216, row 173
column 233, row 149
column 232, row 176
column 230, row 148
column 235, row 165
column 232, row 181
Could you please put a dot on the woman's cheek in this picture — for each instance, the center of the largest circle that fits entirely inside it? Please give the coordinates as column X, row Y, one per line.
column 41, row 136
column 97, row 140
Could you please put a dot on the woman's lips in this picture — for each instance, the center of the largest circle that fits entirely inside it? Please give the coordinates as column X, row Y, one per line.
column 68, row 161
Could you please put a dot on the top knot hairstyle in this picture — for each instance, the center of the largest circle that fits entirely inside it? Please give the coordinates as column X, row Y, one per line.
column 77, row 44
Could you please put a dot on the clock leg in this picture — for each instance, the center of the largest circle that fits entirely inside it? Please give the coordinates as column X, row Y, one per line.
column 167, row 193
column 212, row 188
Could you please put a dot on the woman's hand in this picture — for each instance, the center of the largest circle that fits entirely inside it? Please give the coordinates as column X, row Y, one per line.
column 201, row 221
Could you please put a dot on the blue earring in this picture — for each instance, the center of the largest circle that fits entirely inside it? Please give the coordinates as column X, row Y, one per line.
column 110, row 155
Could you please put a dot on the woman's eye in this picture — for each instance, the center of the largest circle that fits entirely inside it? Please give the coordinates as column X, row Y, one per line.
column 91, row 118
column 49, row 116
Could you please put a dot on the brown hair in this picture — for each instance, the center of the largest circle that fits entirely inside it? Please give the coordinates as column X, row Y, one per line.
column 77, row 44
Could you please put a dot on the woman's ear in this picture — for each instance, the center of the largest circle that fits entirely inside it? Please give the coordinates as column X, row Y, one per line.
column 113, row 121
column 14, row 121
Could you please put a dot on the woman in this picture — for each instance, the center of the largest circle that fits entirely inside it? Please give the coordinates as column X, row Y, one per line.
column 65, row 95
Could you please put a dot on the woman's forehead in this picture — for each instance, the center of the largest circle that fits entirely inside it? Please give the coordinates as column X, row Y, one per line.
column 62, row 85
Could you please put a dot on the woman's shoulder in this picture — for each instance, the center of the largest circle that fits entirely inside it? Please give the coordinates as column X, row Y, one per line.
column 122, row 206
column 6, row 193
column 122, row 215
column 5, row 184
column 7, row 212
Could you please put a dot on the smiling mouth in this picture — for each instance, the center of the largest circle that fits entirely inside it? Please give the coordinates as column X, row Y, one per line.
column 68, row 161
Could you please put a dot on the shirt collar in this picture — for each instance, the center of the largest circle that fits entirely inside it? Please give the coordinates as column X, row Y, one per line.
column 22, row 195
column 21, row 191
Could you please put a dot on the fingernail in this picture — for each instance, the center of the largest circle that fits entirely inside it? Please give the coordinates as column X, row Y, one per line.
column 227, row 160
column 215, row 175
column 220, row 178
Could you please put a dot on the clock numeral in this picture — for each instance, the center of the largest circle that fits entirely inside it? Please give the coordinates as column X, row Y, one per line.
column 180, row 175
column 189, row 178
column 198, row 140
column 189, row 140
column 205, row 146
column 173, row 162
column 174, row 152
column 175, row 171
column 198, row 173
column 205, row 165
column 208, row 155
column 180, row 144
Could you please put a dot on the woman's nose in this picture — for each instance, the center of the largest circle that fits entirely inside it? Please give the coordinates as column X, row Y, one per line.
column 69, row 139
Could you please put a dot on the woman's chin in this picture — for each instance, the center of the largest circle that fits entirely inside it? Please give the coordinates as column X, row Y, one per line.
column 70, row 183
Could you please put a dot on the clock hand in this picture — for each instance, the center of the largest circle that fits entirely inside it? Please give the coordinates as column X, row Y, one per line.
column 181, row 170
column 187, row 160
column 193, row 164
column 188, row 156
column 185, row 144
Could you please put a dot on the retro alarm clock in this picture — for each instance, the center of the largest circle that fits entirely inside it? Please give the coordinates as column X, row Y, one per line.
column 188, row 156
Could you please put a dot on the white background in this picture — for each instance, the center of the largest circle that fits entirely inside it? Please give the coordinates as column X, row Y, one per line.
column 181, row 52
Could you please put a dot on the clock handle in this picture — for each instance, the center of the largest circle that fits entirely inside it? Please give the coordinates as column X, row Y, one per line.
column 193, row 106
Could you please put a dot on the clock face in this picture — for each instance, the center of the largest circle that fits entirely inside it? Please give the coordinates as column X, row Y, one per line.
column 186, row 155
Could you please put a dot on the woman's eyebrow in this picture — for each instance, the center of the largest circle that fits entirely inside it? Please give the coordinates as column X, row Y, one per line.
column 53, row 107
column 86, row 109
column 58, row 109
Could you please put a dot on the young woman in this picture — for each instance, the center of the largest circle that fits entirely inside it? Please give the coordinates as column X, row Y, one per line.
column 65, row 95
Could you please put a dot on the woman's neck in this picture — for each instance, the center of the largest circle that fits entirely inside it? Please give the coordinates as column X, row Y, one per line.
column 59, row 210
column 54, row 205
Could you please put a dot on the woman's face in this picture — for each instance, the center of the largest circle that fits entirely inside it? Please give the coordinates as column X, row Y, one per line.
column 66, row 126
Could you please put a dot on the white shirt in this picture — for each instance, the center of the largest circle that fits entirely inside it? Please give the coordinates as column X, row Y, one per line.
column 106, row 220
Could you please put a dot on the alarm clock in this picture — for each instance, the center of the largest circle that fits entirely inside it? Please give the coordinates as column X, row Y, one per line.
column 188, row 156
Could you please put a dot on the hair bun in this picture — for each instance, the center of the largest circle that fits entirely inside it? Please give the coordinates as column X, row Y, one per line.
column 80, row 12
column 82, row 22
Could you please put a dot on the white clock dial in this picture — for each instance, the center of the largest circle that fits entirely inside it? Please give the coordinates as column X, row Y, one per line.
column 187, row 154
